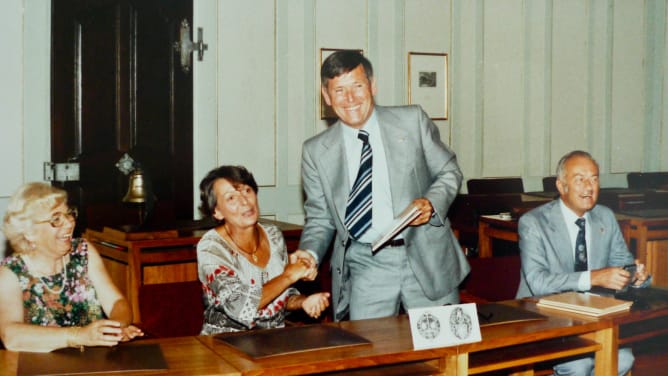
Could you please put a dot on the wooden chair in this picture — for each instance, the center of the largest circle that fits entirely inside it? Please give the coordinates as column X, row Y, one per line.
column 491, row 279
column 495, row 185
column 171, row 309
column 647, row 180
column 550, row 184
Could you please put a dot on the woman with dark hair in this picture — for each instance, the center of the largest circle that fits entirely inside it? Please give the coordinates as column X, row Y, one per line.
column 243, row 265
column 54, row 289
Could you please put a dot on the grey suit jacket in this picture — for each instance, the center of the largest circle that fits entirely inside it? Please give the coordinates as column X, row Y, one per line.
column 419, row 165
column 547, row 251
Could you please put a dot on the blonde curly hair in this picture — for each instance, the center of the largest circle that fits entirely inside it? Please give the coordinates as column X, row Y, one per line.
column 30, row 203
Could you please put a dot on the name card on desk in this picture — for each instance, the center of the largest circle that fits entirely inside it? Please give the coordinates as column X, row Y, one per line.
column 444, row 325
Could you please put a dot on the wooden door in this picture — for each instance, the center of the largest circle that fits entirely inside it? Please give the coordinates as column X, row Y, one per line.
column 118, row 87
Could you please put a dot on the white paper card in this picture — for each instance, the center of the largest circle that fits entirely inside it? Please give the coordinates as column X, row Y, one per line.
column 443, row 326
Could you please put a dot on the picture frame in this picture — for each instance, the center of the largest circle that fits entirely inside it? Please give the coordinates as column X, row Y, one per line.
column 326, row 111
column 428, row 83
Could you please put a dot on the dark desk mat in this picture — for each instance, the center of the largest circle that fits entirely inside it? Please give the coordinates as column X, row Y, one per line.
column 496, row 313
column 645, row 296
column 271, row 342
column 104, row 360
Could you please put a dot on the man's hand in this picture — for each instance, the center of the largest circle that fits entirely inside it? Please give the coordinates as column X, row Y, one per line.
column 426, row 211
column 613, row 277
column 641, row 274
column 307, row 259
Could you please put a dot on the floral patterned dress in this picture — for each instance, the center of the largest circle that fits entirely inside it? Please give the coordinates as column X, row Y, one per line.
column 58, row 301
column 233, row 285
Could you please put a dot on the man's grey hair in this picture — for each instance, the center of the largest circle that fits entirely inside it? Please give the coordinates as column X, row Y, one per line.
column 561, row 169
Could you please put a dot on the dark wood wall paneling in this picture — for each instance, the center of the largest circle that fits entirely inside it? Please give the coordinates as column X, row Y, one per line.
column 117, row 87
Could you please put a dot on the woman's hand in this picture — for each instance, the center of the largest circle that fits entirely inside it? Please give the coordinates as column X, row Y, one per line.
column 296, row 271
column 130, row 332
column 307, row 258
column 314, row 304
column 99, row 333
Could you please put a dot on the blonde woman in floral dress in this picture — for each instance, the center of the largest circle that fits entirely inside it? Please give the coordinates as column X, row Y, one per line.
column 54, row 290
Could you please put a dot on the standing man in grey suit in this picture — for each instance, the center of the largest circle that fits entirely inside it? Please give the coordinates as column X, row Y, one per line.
column 388, row 158
column 562, row 252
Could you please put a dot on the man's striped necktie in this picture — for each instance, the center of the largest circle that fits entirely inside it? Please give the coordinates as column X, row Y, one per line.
column 358, row 210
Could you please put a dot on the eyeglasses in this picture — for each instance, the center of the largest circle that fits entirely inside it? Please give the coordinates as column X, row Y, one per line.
column 58, row 219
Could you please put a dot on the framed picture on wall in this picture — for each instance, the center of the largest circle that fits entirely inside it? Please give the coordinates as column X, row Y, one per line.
column 428, row 83
column 326, row 111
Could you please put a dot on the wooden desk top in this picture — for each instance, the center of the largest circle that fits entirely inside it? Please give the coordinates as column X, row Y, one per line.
column 644, row 215
column 392, row 343
column 497, row 221
column 184, row 356
column 191, row 230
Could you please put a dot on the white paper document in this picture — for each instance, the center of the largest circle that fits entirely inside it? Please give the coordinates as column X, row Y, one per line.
column 444, row 325
column 407, row 216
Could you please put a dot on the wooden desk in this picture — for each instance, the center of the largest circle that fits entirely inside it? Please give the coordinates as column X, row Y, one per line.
column 466, row 210
column 492, row 227
column 522, row 344
column 133, row 263
column 646, row 319
column 515, row 346
column 637, row 230
column 184, row 356
column 134, row 260
column 512, row 346
column 641, row 226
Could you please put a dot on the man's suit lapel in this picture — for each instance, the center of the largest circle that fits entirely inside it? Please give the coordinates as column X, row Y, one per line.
column 396, row 153
column 558, row 235
column 333, row 160
column 598, row 232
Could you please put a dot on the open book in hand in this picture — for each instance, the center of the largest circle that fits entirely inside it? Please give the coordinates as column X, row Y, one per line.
column 407, row 216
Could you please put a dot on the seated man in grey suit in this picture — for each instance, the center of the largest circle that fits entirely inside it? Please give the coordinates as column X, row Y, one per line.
column 572, row 244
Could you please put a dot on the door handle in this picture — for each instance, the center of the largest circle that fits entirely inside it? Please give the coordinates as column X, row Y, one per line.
column 185, row 47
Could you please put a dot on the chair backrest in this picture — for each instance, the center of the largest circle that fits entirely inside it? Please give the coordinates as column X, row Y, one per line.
column 493, row 278
column 171, row 309
column 495, row 185
column 647, row 180
column 550, row 184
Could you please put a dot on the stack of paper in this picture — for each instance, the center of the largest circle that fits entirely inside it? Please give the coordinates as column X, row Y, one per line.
column 407, row 216
column 583, row 303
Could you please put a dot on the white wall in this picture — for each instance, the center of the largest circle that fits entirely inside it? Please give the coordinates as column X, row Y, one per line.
column 11, row 99
column 529, row 81
column 24, row 95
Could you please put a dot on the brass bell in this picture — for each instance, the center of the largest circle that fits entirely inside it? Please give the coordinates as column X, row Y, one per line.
column 137, row 189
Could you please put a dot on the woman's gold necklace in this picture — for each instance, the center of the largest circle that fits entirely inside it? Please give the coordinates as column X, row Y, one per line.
column 63, row 274
column 257, row 243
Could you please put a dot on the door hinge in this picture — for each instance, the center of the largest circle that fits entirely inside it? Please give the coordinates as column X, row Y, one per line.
column 185, row 47
column 61, row 171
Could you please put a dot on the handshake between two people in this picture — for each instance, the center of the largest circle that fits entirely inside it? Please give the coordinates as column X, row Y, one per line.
column 302, row 266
